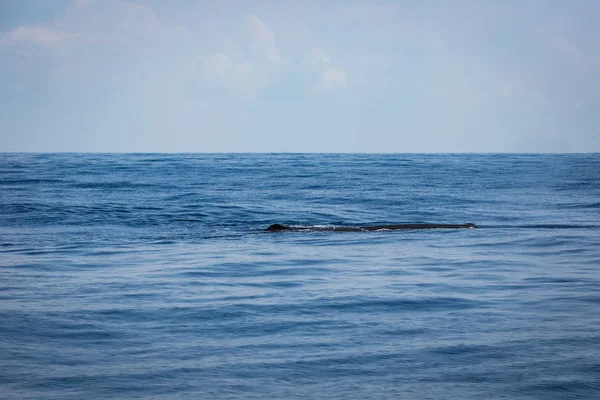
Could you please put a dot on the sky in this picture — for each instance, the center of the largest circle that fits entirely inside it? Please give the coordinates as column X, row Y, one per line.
column 300, row 76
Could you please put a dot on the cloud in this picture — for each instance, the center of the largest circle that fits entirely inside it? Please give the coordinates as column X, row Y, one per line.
column 259, row 28
column 319, row 59
column 242, row 70
column 82, row 3
column 263, row 34
column 109, row 22
column 38, row 35
column 220, row 64
column 330, row 77
column 333, row 77
column 238, row 77
column 121, row 44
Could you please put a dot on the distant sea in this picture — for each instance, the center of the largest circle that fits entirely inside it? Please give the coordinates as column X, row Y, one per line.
column 151, row 276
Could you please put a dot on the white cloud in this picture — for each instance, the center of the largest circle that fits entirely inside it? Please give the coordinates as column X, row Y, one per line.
column 35, row 34
column 139, row 20
column 319, row 59
column 117, row 42
column 273, row 55
column 259, row 28
column 82, row 3
column 238, row 77
column 239, row 69
column 263, row 34
column 220, row 64
column 109, row 22
column 333, row 77
column 330, row 77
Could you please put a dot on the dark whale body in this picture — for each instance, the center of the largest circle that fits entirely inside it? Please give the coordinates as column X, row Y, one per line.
column 279, row 228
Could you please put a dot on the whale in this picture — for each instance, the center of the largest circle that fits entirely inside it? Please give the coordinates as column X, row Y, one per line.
column 367, row 228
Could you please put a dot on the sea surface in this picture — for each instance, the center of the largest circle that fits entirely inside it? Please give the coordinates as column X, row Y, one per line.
column 151, row 276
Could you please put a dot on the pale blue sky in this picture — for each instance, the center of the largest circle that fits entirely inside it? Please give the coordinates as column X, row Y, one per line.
column 300, row 76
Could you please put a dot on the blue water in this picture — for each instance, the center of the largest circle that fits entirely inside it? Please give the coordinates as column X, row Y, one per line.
column 150, row 276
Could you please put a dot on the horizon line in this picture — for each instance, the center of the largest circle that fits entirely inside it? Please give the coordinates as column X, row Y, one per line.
column 296, row 152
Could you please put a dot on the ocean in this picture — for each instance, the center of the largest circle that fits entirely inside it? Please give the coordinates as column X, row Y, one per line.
column 152, row 276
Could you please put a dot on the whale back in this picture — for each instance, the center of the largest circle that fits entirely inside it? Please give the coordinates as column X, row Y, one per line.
column 279, row 227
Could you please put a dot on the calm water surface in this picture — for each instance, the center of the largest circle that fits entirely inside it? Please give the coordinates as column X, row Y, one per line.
column 150, row 276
